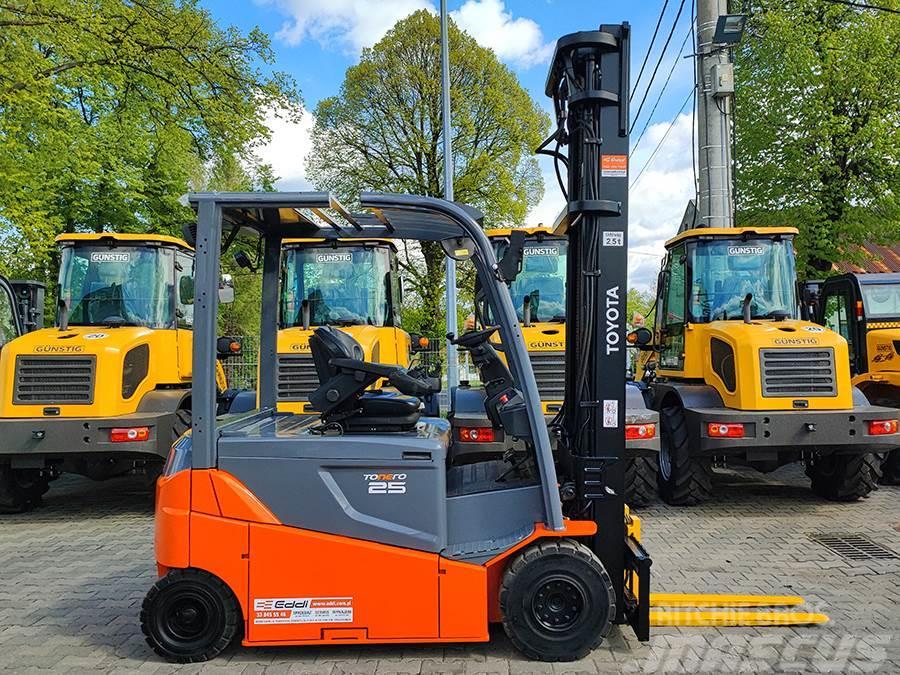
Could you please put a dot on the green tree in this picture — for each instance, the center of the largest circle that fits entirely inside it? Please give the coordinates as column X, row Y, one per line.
column 110, row 109
column 640, row 302
column 383, row 132
column 818, row 125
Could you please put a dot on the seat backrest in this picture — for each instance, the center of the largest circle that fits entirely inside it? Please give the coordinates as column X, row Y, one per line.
column 338, row 391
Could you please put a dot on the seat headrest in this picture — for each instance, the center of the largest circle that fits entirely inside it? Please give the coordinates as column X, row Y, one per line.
column 328, row 343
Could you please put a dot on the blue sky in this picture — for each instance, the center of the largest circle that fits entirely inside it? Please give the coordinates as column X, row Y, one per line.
column 316, row 40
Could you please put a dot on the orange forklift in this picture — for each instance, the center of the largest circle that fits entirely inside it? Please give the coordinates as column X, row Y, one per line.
column 352, row 526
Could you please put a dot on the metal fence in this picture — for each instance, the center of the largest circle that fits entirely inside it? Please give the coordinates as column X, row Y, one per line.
column 241, row 371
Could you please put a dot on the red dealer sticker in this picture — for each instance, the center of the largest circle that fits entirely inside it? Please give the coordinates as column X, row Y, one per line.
column 614, row 166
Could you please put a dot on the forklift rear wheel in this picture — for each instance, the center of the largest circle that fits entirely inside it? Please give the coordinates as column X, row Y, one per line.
column 683, row 480
column 189, row 616
column 557, row 601
column 640, row 480
column 890, row 468
column 844, row 478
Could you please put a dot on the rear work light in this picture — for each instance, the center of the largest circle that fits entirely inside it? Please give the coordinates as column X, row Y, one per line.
column 129, row 434
column 725, row 430
column 639, row 432
column 882, row 427
column 476, row 434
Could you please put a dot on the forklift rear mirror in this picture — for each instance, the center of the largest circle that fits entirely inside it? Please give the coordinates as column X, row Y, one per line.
column 243, row 261
column 226, row 289
column 640, row 337
column 458, row 248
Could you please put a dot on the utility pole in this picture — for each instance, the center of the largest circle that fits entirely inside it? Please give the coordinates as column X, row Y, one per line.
column 450, row 274
column 715, row 93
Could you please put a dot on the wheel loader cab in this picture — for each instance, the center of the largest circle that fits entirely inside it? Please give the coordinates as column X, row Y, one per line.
column 352, row 284
column 294, row 527
column 740, row 377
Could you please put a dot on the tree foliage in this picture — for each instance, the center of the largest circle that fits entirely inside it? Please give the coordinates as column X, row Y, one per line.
column 818, row 125
column 110, row 109
column 383, row 132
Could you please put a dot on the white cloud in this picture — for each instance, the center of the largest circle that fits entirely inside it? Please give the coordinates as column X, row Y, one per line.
column 516, row 40
column 656, row 203
column 287, row 149
column 353, row 23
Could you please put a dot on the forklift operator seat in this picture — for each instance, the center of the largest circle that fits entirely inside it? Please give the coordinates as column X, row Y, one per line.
column 344, row 377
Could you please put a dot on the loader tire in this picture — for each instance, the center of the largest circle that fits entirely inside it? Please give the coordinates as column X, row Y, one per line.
column 683, row 480
column 640, row 480
column 890, row 468
column 189, row 616
column 13, row 495
column 557, row 601
column 181, row 424
column 844, row 478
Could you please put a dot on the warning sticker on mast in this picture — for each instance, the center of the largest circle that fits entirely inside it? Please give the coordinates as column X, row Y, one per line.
column 614, row 166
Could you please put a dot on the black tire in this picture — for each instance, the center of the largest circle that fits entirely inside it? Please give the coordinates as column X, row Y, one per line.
column 34, row 483
column 182, row 423
column 557, row 601
column 14, row 496
column 640, row 480
column 682, row 480
column 890, row 468
column 190, row 616
column 844, row 478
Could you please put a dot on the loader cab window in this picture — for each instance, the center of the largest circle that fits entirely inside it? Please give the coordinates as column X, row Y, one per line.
column 837, row 317
column 184, row 285
column 542, row 280
column 724, row 271
column 673, row 322
column 882, row 301
column 8, row 328
column 344, row 286
column 118, row 285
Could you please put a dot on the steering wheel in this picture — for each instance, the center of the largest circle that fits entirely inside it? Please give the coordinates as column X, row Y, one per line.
column 473, row 338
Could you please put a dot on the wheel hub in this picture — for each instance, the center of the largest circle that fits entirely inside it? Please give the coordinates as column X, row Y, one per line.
column 558, row 603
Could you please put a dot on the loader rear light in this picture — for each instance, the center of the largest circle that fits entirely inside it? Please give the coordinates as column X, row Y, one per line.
column 725, row 430
column 882, row 427
column 129, row 434
column 640, row 432
column 476, row 434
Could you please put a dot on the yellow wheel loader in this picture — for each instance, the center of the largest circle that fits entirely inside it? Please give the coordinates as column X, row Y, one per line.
column 107, row 390
column 351, row 284
column 865, row 310
column 739, row 378
column 539, row 294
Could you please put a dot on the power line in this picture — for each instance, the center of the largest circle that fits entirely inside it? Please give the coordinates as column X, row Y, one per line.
column 662, row 140
column 649, row 48
column 663, row 90
column 662, row 55
column 864, row 5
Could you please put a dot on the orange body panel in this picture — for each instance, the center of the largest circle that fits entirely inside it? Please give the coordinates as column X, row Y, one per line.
column 222, row 547
column 496, row 566
column 172, row 522
column 387, row 591
column 463, row 611
column 203, row 496
column 236, row 500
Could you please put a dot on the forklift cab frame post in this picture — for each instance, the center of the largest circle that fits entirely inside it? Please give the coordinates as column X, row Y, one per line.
column 391, row 216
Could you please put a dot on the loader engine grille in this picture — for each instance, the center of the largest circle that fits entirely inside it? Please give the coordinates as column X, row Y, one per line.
column 798, row 372
column 297, row 377
column 550, row 374
column 54, row 380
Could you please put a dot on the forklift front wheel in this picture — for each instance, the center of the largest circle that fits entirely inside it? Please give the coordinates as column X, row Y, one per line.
column 189, row 616
column 557, row 601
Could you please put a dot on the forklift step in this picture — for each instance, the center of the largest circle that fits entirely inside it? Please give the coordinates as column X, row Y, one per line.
column 734, row 618
column 714, row 600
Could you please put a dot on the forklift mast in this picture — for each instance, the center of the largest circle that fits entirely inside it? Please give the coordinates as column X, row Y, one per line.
column 589, row 84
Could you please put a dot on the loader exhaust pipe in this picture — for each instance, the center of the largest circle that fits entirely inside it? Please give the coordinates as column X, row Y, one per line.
column 304, row 314
column 747, row 300
column 526, row 311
